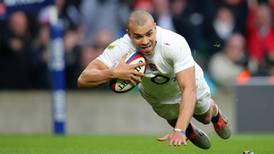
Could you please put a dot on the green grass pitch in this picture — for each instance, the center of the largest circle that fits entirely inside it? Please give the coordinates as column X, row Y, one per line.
column 128, row 144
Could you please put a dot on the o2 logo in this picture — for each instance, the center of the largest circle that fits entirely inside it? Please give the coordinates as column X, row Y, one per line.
column 160, row 79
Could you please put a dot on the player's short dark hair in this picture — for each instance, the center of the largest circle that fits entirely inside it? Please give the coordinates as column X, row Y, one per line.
column 139, row 17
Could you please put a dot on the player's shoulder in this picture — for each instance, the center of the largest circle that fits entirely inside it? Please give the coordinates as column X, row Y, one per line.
column 170, row 39
column 120, row 43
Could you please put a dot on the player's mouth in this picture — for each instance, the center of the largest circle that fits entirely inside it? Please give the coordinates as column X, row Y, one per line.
column 146, row 49
column 146, row 46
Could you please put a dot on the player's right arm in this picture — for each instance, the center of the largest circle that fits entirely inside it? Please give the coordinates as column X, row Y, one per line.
column 97, row 73
column 94, row 74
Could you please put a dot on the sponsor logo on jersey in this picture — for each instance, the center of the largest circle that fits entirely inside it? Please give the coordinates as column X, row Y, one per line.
column 110, row 47
column 153, row 67
column 167, row 44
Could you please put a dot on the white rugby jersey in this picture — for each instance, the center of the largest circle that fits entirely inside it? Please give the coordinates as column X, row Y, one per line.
column 170, row 56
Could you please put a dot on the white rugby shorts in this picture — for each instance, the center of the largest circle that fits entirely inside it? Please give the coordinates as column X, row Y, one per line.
column 169, row 108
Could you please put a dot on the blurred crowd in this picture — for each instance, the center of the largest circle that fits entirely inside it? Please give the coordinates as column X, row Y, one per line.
column 228, row 38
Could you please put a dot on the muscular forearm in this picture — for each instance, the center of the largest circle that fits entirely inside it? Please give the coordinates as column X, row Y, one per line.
column 186, row 109
column 94, row 77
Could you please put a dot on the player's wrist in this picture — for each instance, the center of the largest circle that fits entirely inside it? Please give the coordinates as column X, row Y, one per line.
column 183, row 132
column 112, row 74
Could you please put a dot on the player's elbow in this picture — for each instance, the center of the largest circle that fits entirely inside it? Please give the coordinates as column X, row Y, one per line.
column 85, row 80
column 80, row 82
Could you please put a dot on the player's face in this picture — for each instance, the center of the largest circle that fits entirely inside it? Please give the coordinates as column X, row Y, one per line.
column 143, row 37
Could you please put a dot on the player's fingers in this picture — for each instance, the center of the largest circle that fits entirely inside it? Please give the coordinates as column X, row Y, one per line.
column 184, row 142
column 136, row 78
column 164, row 138
column 139, row 74
column 137, row 65
column 171, row 142
column 176, row 142
column 133, row 82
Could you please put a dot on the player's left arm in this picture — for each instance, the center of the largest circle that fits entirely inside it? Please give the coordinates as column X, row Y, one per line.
column 186, row 81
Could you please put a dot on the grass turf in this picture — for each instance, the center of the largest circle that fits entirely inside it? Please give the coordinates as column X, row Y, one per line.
column 103, row 144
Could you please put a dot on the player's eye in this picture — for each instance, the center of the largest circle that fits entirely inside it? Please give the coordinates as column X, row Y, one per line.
column 149, row 34
column 137, row 37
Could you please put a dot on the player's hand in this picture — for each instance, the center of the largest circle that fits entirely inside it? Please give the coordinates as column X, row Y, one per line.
column 127, row 72
column 175, row 138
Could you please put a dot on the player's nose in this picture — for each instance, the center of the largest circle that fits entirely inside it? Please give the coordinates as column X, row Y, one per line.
column 145, row 41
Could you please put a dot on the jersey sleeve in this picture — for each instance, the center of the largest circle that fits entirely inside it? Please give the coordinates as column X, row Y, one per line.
column 112, row 54
column 182, row 57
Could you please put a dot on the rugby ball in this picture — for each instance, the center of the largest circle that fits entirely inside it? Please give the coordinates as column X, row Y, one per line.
column 121, row 86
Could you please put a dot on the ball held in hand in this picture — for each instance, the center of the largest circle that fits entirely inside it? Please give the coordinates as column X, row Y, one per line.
column 121, row 86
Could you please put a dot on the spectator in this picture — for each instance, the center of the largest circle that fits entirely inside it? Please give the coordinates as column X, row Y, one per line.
column 68, row 13
column 227, row 64
column 69, row 16
column 220, row 30
column 239, row 9
column 72, row 52
column 102, row 39
column 146, row 5
column 16, row 53
column 93, row 49
column 188, row 20
column 40, row 72
column 260, row 37
column 162, row 14
column 88, row 53
column 100, row 15
column 271, row 3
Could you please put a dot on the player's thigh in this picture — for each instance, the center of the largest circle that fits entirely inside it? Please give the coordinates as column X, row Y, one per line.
column 167, row 111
